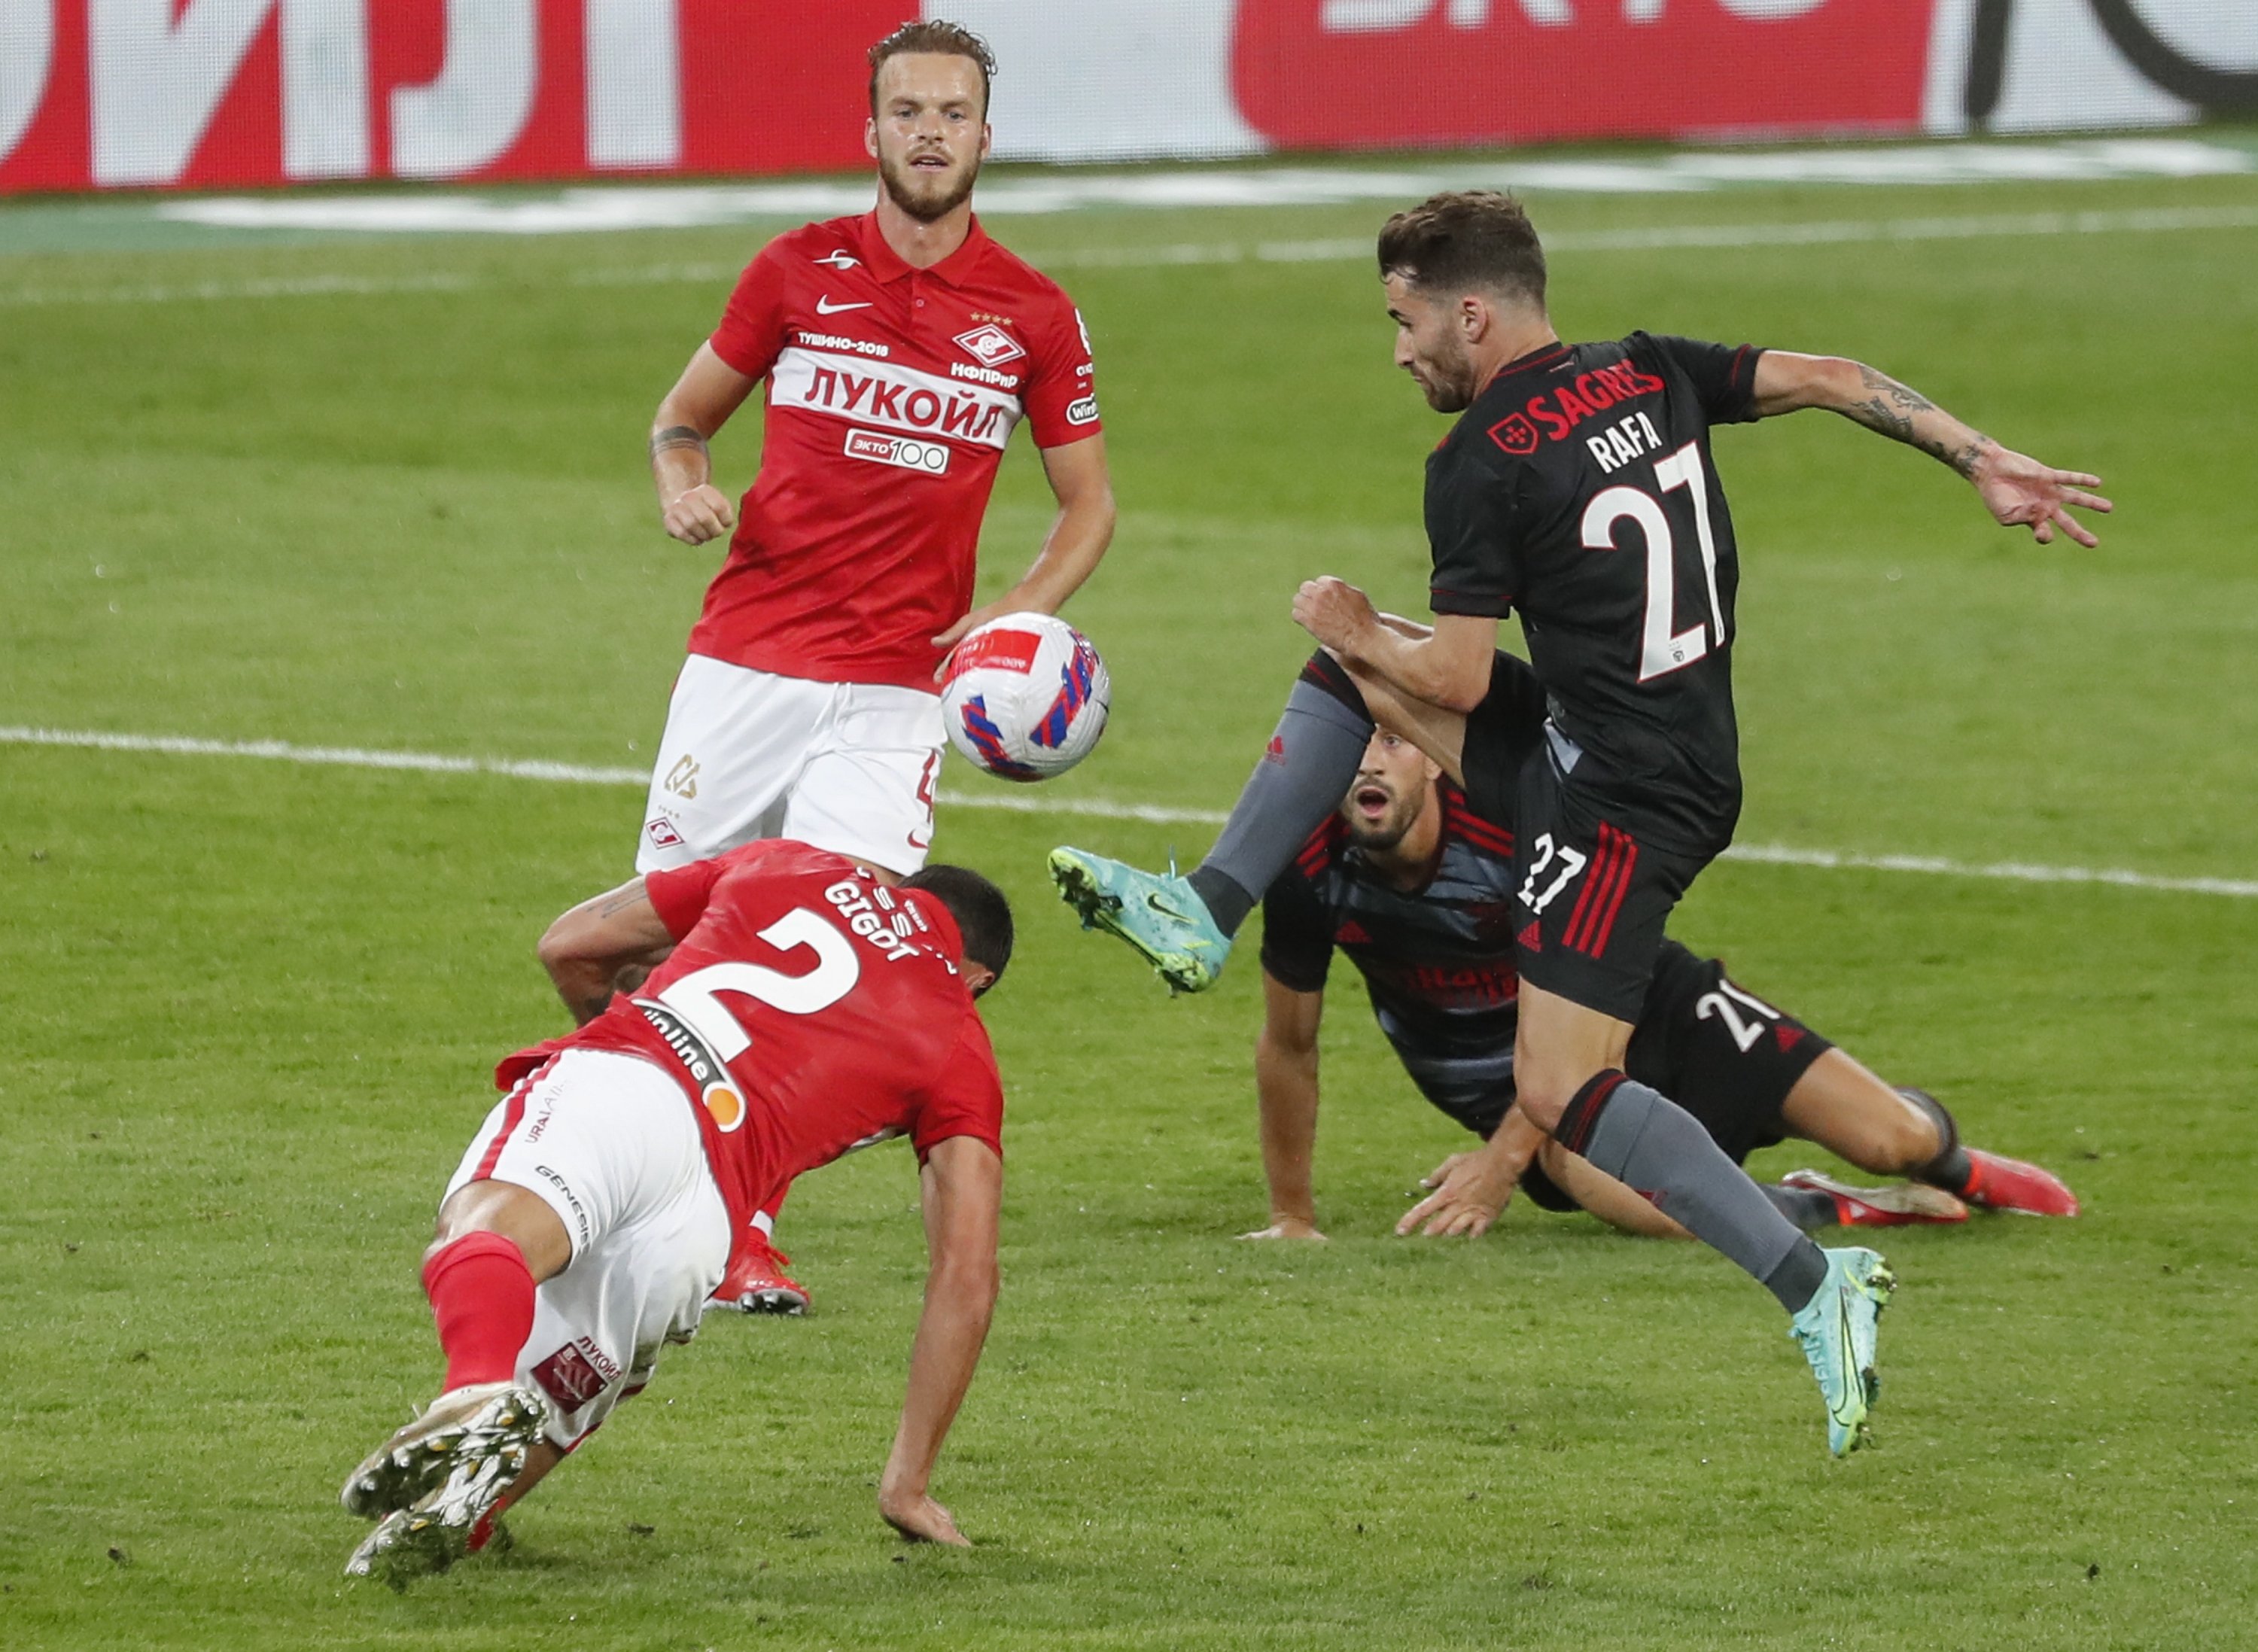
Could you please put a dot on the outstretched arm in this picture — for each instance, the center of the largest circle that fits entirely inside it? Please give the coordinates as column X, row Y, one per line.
column 2016, row 488
column 962, row 1184
column 585, row 950
column 1286, row 1083
column 1079, row 535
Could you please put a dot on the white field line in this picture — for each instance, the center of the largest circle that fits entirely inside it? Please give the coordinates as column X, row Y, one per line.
column 520, row 768
column 1660, row 237
column 1031, row 803
column 599, row 209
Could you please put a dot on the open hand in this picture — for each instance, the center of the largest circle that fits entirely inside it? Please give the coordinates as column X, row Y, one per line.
column 919, row 1519
column 698, row 513
column 2019, row 491
column 1471, row 1190
column 1334, row 611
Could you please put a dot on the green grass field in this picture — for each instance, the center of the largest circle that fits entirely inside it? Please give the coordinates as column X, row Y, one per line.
column 250, row 1007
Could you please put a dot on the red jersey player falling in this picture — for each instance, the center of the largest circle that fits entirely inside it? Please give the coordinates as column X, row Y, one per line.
column 805, row 1010
column 899, row 348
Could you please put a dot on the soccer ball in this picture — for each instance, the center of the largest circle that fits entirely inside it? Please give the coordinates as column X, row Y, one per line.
column 1025, row 697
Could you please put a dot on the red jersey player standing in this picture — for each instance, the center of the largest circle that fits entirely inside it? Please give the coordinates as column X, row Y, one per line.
column 899, row 348
column 805, row 1010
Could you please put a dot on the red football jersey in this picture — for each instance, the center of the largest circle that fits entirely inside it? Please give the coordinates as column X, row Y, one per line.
column 891, row 393
column 807, row 1009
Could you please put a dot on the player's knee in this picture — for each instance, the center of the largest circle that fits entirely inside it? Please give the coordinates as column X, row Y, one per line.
column 509, row 1212
column 1904, row 1139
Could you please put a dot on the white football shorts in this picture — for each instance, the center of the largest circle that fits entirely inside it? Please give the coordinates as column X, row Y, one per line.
column 609, row 1143
column 848, row 767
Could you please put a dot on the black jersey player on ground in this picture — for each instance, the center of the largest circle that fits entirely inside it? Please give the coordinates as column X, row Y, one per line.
column 1578, row 491
column 1412, row 881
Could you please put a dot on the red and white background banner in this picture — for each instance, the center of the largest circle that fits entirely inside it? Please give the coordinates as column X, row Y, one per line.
column 194, row 94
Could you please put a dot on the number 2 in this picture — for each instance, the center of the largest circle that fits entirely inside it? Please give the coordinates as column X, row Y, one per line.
column 1660, row 651
column 837, row 970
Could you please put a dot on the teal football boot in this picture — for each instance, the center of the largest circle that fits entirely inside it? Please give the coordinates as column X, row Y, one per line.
column 1835, row 1330
column 1162, row 918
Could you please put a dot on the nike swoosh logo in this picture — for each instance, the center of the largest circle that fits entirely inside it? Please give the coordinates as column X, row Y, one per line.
column 824, row 307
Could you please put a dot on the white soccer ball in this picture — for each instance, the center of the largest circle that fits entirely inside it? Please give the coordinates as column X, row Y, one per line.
column 1025, row 697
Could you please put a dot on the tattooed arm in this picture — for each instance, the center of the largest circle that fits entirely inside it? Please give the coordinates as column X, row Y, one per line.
column 588, row 950
column 2016, row 489
column 693, row 509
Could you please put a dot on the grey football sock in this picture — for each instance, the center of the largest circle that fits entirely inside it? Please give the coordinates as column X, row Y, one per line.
column 1646, row 1141
column 1302, row 778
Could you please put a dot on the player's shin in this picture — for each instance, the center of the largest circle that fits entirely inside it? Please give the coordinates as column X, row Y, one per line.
column 1649, row 1143
column 481, row 1294
column 1310, row 763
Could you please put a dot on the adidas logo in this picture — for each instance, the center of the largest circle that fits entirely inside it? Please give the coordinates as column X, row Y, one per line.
column 1276, row 752
column 1352, row 934
column 1531, row 939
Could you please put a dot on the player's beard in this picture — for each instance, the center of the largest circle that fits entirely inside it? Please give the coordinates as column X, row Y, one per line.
column 1381, row 836
column 1448, row 376
column 927, row 196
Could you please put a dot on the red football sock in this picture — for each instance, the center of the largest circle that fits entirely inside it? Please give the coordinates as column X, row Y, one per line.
column 481, row 1295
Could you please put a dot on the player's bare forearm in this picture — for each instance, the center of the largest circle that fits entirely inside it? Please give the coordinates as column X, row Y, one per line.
column 1606, row 1198
column 1447, row 665
column 585, row 950
column 1286, row 1083
column 691, row 507
column 1286, row 1087
column 1517, row 1140
column 1411, row 630
column 1079, row 536
column 2016, row 488
column 1786, row 382
column 959, row 1301
column 962, row 1187
column 679, row 459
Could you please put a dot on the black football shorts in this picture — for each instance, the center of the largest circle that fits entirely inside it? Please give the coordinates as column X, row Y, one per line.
column 1590, row 899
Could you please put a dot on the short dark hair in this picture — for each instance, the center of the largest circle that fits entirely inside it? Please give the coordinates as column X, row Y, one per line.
column 947, row 40
column 1463, row 240
column 983, row 915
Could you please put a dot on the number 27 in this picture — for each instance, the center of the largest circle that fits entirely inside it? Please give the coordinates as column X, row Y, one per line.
column 1661, row 650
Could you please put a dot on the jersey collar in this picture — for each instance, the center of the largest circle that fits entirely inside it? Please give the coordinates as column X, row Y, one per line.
column 1546, row 356
column 887, row 265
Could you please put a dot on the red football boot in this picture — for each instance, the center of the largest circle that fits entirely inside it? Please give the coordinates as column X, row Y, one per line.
column 757, row 1282
column 1901, row 1205
column 1999, row 1183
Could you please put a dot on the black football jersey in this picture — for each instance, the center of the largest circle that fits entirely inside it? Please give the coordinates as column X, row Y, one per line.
column 1437, row 962
column 1578, row 490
